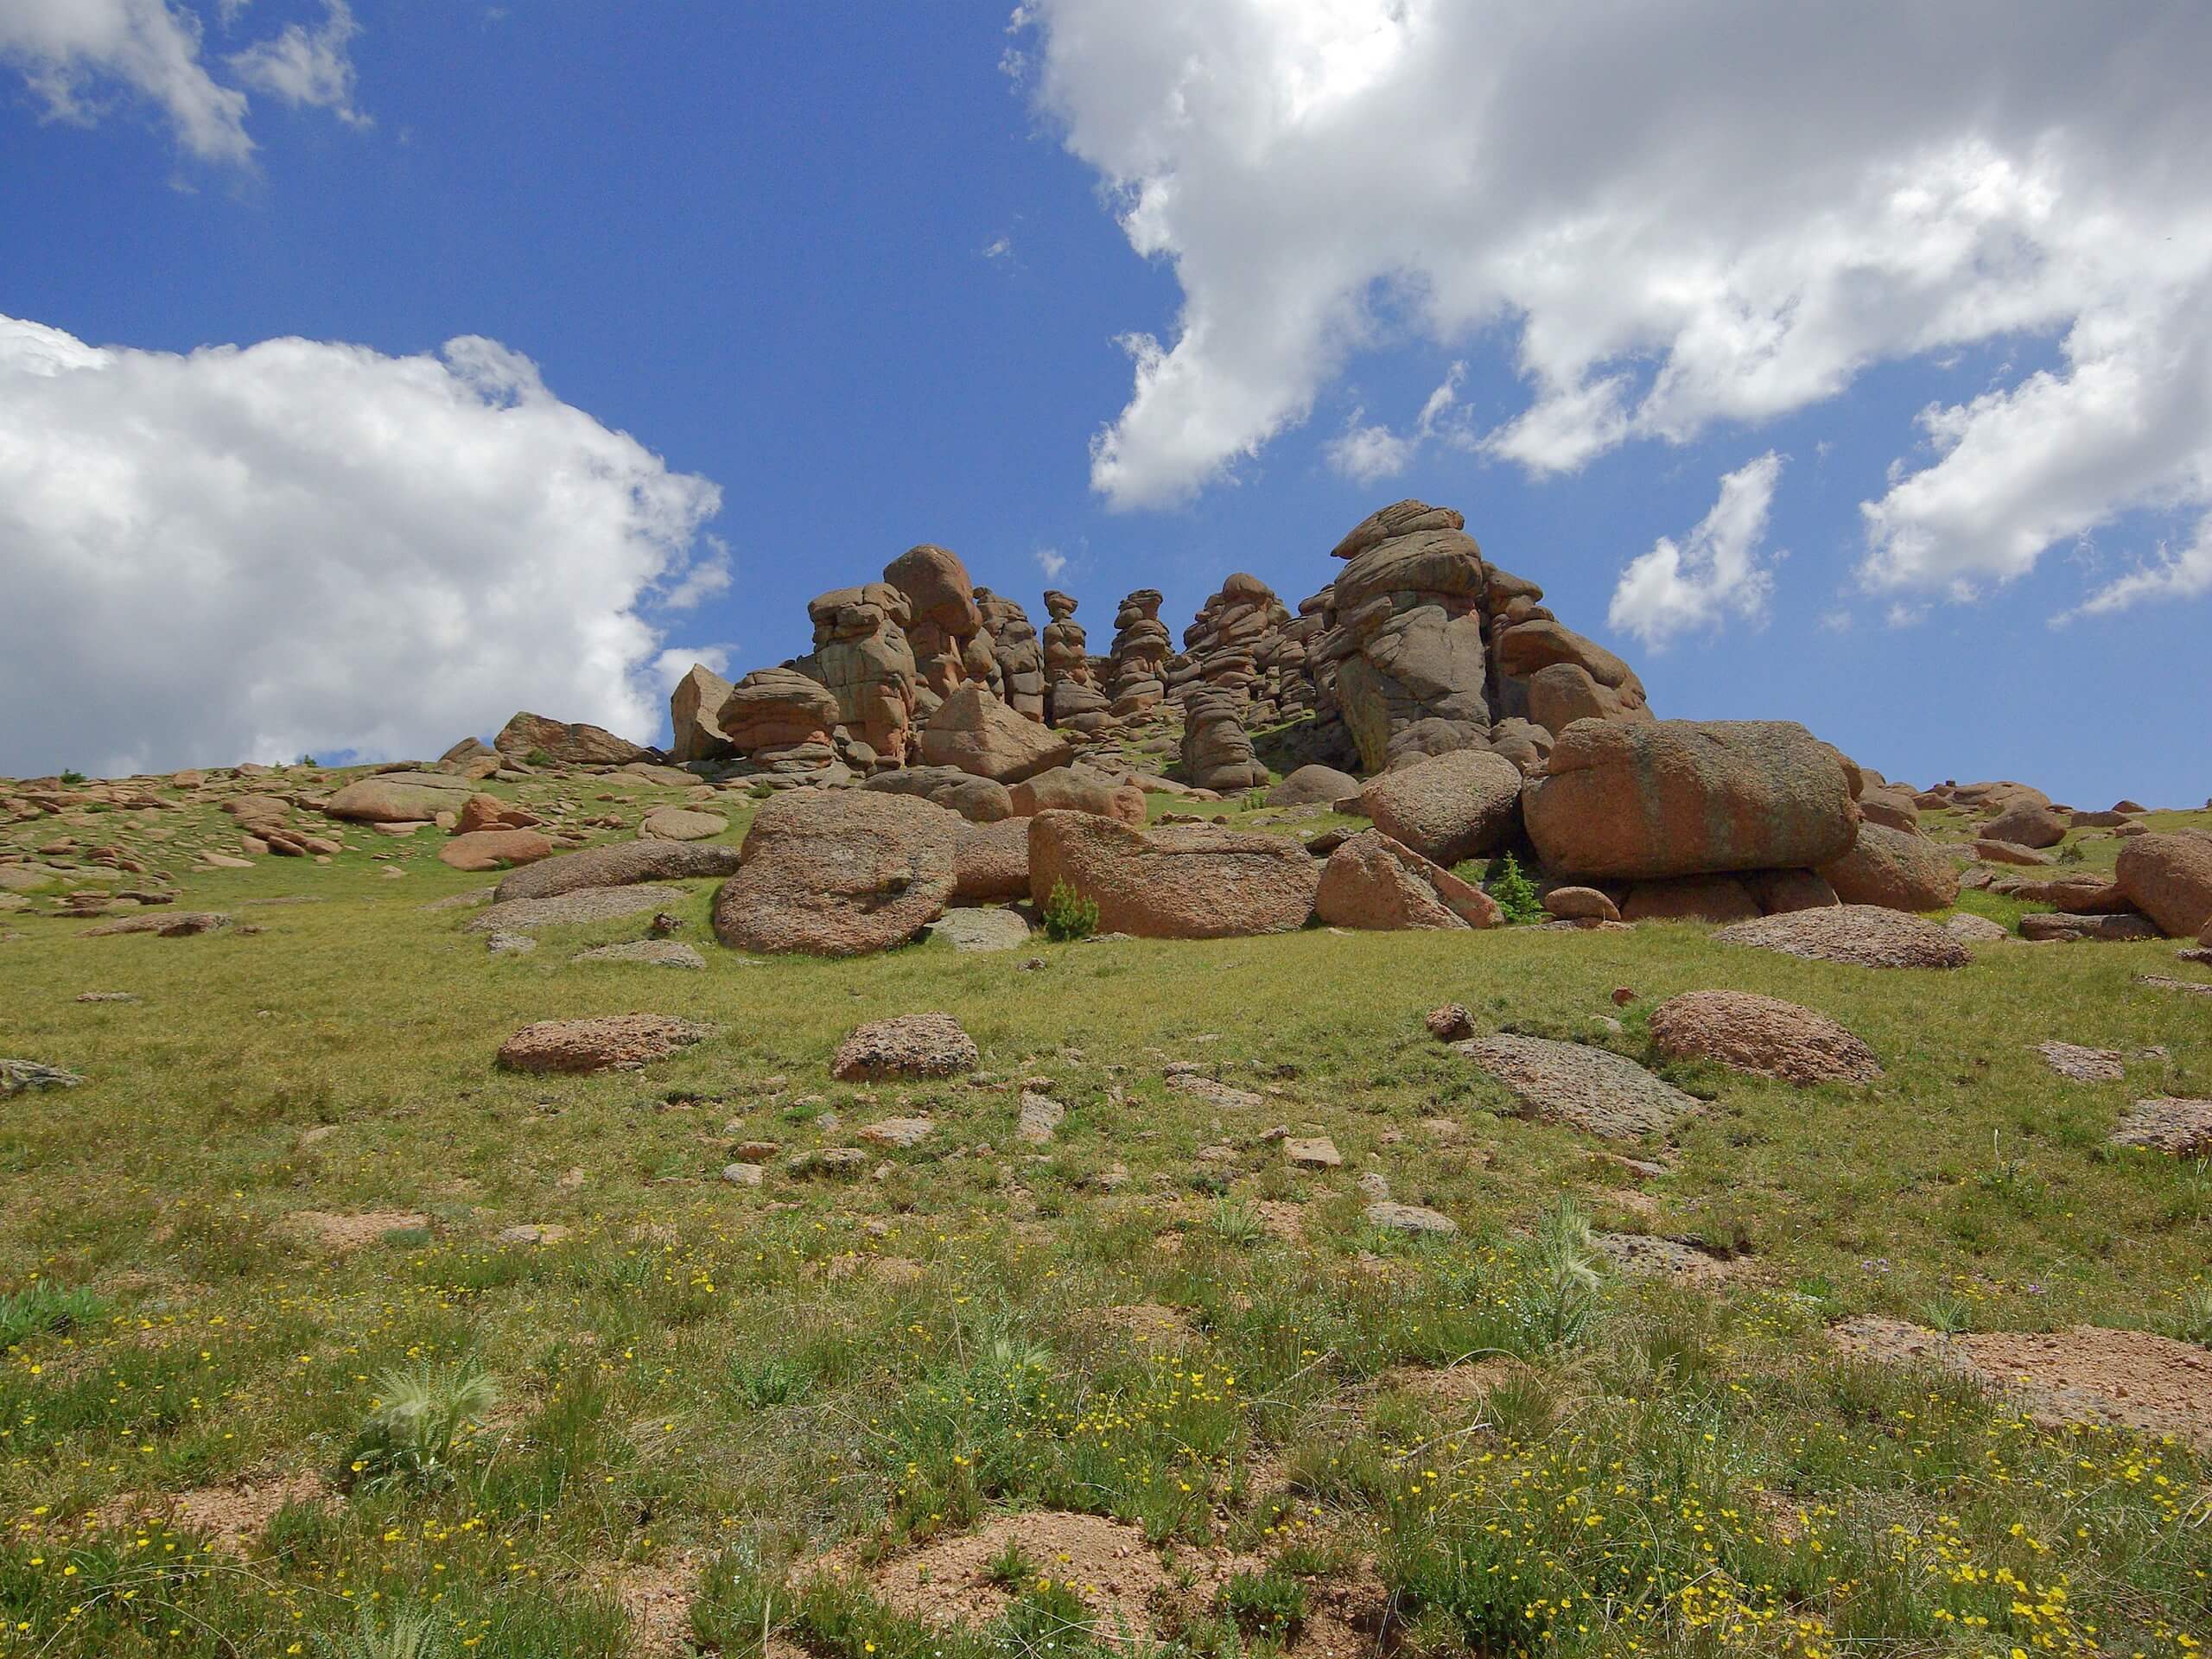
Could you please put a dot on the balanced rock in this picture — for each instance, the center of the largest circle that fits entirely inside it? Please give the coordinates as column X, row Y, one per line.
column 1017, row 656
column 1141, row 649
column 861, row 653
column 1895, row 868
column 1217, row 750
column 1449, row 807
column 1762, row 1035
column 838, row 873
column 1173, row 883
column 979, row 734
column 773, row 711
column 1642, row 799
column 569, row 745
column 1374, row 882
column 694, row 713
column 943, row 618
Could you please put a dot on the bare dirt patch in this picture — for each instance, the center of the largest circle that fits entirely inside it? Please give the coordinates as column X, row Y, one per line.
column 1145, row 1325
column 2085, row 1374
column 343, row 1232
column 657, row 1598
column 1107, row 1566
column 1453, row 1385
column 1136, row 1592
column 1650, row 1255
column 230, row 1517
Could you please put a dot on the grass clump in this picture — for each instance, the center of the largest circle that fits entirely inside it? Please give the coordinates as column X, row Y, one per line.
column 1069, row 915
column 1271, row 1605
column 406, row 1439
column 39, row 1308
column 412, row 1634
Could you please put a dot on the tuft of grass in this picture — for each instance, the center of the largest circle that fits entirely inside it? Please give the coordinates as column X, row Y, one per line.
column 1271, row 1605
column 1235, row 1223
column 407, row 1439
column 1564, row 1290
column 412, row 1634
column 39, row 1308
column 1012, row 1566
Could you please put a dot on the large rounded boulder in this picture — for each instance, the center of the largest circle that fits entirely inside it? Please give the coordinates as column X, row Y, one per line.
column 2169, row 879
column 839, row 873
column 1372, row 882
column 1895, row 869
column 399, row 798
column 1647, row 799
column 1180, row 883
column 1448, row 807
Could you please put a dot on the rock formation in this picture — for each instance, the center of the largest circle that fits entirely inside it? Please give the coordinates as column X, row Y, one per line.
column 1017, row 660
column 1217, row 750
column 569, row 746
column 863, row 655
column 942, row 621
column 694, row 713
column 1072, row 696
column 1141, row 647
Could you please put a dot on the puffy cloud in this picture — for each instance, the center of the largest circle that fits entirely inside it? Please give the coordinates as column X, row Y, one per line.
column 1364, row 454
column 1677, row 216
column 73, row 51
column 1698, row 583
column 308, row 68
column 66, row 48
column 298, row 546
column 2185, row 575
column 1052, row 562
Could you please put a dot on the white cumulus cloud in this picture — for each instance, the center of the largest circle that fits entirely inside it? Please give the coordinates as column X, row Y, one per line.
column 305, row 67
column 1052, row 562
column 250, row 553
column 1715, row 574
column 1675, row 216
column 80, row 56
column 1364, row 453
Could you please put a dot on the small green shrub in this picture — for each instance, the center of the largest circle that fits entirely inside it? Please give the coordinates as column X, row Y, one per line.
column 73, row 776
column 1069, row 915
column 407, row 1439
column 1270, row 1604
column 540, row 758
column 1515, row 892
column 2193, row 1323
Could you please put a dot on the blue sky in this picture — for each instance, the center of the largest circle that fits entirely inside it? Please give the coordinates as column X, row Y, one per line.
column 854, row 276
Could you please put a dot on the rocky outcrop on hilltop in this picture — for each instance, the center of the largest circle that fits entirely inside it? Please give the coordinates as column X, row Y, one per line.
column 1426, row 646
column 1217, row 749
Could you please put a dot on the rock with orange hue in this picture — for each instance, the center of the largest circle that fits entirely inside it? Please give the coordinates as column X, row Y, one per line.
column 1173, row 883
column 1657, row 799
column 1374, row 882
